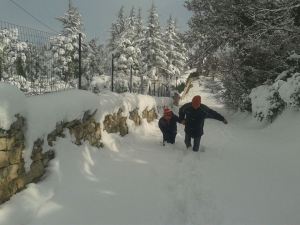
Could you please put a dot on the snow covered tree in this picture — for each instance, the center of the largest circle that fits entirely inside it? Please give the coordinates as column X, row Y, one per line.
column 117, row 29
column 65, row 46
column 12, row 53
column 153, row 48
column 248, row 41
column 131, row 25
column 95, row 57
column 175, row 49
column 139, row 27
column 71, row 21
column 124, row 48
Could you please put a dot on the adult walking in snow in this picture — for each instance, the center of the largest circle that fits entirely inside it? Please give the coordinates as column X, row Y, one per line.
column 192, row 115
column 168, row 126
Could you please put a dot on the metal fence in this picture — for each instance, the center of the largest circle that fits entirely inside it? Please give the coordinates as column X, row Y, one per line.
column 27, row 60
column 159, row 90
column 33, row 61
column 143, row 86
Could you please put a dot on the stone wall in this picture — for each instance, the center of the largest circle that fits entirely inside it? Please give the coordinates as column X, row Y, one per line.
column 14, row 177
column 86, row 129
column 149, row 115
column 116, row 122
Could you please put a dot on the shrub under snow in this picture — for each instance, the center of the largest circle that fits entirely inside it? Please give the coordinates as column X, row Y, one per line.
column 266, row 102
column 289, row 91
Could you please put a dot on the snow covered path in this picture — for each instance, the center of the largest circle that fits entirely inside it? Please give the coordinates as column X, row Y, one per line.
column 247, row 175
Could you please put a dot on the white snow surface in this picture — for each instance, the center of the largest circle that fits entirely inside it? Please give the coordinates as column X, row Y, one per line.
column 248, row 174
column 12, row 102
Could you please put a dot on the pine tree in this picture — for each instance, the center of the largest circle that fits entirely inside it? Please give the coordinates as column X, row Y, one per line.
column 139, row 27
column 117, row 29
column 248, row 41
column 153, row 48
column 93, row 61
column 65, row 46
column 12, row 53
column 124, row 48
column 176, row 51
column 72, row 21
column 131, row 25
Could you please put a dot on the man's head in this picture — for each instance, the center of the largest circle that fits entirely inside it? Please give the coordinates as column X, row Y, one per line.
column 167, row 113
column 196, row 102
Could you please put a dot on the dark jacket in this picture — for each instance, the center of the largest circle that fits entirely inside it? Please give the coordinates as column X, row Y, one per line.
column 169, row 128
column 194, row 118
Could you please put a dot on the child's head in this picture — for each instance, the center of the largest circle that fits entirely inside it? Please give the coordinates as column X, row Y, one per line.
column 167, row 113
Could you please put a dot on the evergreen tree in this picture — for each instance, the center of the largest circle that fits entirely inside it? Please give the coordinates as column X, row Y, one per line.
column 124, row 48
column 131, row 26
column 65, row 46
column 176, row 51
column 12, row 53
column 93, row 61
column 153, row 48
column 71, row 21
column 246, row 41
column 117, row 29
column 139, row 27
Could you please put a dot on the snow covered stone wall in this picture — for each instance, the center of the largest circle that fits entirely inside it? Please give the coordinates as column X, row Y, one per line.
column 30, row 126
column 13, row 176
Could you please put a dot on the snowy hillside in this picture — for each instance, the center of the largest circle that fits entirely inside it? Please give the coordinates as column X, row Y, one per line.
column 248, row 174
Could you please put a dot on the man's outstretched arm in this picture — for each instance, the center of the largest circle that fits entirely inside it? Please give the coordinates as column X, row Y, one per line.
column 212, row 114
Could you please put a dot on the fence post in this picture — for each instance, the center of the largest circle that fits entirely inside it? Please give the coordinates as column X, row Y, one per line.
column 142, row 87
column 79, row 66
column 0, row 68
column 37, row 74
column 159, row 91
column 112, row 72
column 130, row 78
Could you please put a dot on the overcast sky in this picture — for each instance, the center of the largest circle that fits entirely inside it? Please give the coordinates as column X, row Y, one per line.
column 97, row 14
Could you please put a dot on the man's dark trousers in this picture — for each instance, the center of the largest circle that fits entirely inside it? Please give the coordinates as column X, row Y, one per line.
column 188, row 143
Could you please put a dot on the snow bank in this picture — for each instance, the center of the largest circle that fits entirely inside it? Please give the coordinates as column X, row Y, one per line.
column 12, row 102
column 248, row 175
column 44, row 112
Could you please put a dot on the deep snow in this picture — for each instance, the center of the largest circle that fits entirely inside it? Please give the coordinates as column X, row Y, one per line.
column 248, row 174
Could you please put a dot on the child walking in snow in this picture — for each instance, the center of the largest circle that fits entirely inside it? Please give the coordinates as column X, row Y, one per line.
column 168, row 126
